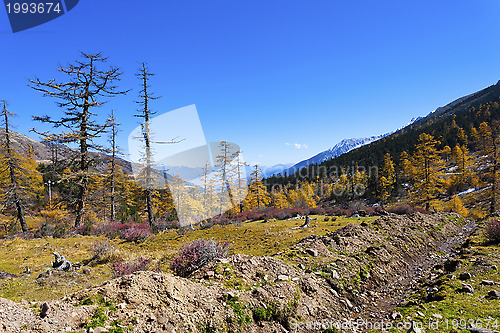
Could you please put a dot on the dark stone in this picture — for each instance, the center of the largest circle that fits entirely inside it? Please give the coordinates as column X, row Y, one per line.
column 465, row 276
column 452, row 265
column 312, row 252
column 45, row 309
column 467, row 288
column 494, row 294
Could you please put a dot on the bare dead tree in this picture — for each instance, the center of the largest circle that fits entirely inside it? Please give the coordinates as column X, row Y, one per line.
column 224, row 162
column 112, row 176
column 148, row 174
column 13, row 167
column 145, row 113
column 87, row 87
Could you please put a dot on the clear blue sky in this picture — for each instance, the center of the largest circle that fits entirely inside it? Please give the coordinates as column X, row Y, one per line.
column 264, row 73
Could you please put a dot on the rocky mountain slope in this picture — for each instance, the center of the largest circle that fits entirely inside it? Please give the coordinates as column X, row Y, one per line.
column 45, row 153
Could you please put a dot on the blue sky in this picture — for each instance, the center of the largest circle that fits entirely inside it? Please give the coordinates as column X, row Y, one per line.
column 266, row 73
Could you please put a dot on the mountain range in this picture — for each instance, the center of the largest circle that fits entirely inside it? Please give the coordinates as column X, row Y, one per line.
column 340, row 148
column 370, row 151
column 372, row 147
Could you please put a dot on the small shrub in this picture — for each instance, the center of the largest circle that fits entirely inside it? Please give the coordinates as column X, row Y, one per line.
column 261, row 314
column 406, row 209
column 326, row 219
column 162, row 225
column 317, row 211
column 84, row 229
column 121, row 267
column 369, row 210
column 221, row 220
column 27, row 235
column 196, row 254
column 104, row 251
column 346, row 212
column 136, row 234
column 60, row 230
column 279, row 214
column 493, row 230
column 206, row 225
column 130, row 231
column 44, row 230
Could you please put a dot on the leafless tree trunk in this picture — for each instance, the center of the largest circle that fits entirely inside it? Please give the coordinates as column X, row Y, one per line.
column 79, row 95
column 145, row 114
column 114, row 150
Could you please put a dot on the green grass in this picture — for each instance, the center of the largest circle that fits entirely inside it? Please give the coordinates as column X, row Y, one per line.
column 458, row 310
column 254, row 238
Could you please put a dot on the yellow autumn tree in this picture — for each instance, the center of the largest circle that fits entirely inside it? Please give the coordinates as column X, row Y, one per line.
column 387, row 178
column 427, row 164
column 456, row 204
column 279, row 199
column 488, row 141
column 406, row 166
column 306, row 195
column 257, row 196
column 20, row 180
column 464, row 176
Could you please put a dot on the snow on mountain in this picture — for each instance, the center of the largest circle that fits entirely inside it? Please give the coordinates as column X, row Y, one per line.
column 413, row 120
column 268, row 170
column 340, row 148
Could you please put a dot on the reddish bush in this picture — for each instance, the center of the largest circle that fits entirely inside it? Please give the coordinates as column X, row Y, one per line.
column 246, row 216
column 316, row 211
column 84, row 229
column 401, row 209
column 121, row 267
column 493, row 230
column 130, row 231
column 341, row 212
column 162, row 225
column 279, row 214
column 221, row 220
column 420, row 210
column 369, row 210
column 196, row 254
column 136, row 234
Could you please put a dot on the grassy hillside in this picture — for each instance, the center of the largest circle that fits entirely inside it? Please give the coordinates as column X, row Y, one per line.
column 253, row 238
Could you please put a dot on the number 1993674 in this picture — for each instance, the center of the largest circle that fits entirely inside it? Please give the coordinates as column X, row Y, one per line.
column 33, row 8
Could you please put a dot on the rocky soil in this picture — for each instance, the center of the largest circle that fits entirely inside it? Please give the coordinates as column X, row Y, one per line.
column 359, row 271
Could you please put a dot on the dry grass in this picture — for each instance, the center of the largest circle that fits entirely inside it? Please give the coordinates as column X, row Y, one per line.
column 255, row 238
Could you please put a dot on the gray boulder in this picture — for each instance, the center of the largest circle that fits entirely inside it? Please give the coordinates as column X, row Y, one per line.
column 61, row 263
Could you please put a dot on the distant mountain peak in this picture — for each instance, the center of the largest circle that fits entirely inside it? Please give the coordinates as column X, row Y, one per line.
column 340, row 148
